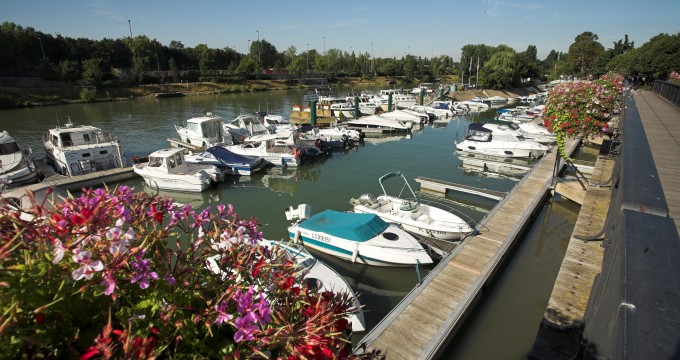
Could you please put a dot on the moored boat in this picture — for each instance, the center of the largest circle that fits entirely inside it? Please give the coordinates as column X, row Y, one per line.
column 167, row 169
column 16, row 164
column 499, row 140
column 414, row 216
column 359, row 238
column 81, row 149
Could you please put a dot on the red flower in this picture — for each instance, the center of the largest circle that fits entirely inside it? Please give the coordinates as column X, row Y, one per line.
column 157, row 215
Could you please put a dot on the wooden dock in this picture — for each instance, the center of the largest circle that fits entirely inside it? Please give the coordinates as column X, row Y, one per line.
column 443, row 186
column 559, row 333
column 428, row 317
column 74, row 183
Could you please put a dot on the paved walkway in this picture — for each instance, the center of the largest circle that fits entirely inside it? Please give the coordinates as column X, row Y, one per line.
column 661, row 120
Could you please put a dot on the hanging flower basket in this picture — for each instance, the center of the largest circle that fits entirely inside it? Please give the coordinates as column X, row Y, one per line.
column 582, row 109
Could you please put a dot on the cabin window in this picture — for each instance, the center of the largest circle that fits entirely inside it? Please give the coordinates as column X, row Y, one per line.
column 178, row 158
column 66, row 139
column 171, row 162
column 86, row 155
column 155, row 161
column 9, row 148
column 86, row 137
column 103, row 152
column 211, row 129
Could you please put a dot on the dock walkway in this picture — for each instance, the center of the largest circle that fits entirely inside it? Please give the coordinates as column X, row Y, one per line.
column 422, row 324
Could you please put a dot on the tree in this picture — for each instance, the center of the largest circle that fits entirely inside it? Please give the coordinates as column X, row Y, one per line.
column 174, row 71
column 298, row 65
column 389, row 68
column 584, row 52
column 92, row 72
column 246, row 66
column 410, row 66
column 143, row 50
column 206, row 58
column 289, row 55
column 69, row 70
column 659, row 56
column 500, row 71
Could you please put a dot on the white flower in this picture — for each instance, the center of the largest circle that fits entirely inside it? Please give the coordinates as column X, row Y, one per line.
column 58, row 252
column 88, row 268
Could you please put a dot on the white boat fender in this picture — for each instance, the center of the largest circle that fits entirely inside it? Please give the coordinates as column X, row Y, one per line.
column 297, row 239
column 355, row 253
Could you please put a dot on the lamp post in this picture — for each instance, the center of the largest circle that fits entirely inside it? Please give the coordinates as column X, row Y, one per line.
column 258, row 54
column 130, row 26
column 324, row 45
column 371, row 55
column 307, row 57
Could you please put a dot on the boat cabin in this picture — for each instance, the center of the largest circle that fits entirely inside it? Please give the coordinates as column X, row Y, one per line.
column 203, row 131
column 169, row 161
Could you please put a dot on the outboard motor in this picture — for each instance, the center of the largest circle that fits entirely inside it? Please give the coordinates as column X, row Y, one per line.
column 303, row 211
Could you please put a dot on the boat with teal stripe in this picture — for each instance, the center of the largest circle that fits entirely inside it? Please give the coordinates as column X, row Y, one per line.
column 359, row 238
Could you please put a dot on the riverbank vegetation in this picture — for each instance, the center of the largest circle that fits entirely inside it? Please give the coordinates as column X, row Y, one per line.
column 36, row 67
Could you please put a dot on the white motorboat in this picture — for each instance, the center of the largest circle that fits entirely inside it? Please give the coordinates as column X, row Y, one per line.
column 319, row 276
column 379, row 124
column 277, row 124
column 499, row 140
column 413, row 216
column 534, row 132
column 204, row 131
column 359, row 238
column 269, row 147
column 476, row 105
column 245, row 125
column 167, row 170
column 366, row 105
column 410, row 119
column 81, row 149
column 334, row 136
column 16, row 164
column 227, row 162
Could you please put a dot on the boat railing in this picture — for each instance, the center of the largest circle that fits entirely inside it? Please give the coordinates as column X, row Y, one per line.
column 446, row 207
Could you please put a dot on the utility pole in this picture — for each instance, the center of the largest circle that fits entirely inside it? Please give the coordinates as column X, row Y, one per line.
column 130, row 25
column 258, row 55
column 41, row 48
column 307, row 57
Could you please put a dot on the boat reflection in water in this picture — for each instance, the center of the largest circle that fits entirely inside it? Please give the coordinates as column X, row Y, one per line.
column 278, row 179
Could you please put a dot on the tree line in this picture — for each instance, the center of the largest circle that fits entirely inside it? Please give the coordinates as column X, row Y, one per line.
column 28, row 52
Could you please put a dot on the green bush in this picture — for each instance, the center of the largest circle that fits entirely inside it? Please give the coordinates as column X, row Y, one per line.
column 88, row 94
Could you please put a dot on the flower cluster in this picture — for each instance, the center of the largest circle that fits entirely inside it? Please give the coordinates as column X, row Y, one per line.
column 118, row 274
column 675, row 76
column 582, row 109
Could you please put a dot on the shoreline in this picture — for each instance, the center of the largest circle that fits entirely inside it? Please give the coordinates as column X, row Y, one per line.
column 18, row 98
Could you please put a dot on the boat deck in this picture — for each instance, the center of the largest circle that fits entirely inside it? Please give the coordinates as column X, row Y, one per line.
column 436, row 310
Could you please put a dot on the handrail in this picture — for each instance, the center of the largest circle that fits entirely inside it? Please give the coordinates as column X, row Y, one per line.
column 669, row 90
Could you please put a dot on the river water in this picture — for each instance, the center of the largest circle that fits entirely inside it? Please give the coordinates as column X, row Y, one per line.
column 144, row 126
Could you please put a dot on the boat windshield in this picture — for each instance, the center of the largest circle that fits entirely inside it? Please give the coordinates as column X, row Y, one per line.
column 155, row 161
column 9, row 148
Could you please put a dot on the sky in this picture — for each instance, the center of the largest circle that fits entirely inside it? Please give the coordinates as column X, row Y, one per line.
column 380, row 28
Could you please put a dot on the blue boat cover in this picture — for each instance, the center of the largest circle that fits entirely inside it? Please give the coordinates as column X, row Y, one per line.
column 350, row 226
column 229, row 158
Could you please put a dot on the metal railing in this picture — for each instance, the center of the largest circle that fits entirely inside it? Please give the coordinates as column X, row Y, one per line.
column 669, row 90
column 634, row 307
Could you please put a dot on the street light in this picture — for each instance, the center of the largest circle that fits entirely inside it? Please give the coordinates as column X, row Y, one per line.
column 130, row 25
column 258, row 49
column 307, row 57
column 324, row 45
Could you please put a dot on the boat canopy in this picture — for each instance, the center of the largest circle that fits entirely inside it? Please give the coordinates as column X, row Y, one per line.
column 477, row 132
column 350, row 226
column 228, row 158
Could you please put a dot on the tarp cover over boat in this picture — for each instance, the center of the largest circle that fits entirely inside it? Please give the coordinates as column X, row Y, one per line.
column 230, row 158
column 350, row 226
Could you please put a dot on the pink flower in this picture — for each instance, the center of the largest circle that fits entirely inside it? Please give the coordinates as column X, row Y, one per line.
column 88, row 267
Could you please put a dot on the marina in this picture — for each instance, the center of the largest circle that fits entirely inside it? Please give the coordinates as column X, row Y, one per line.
column 475, row 262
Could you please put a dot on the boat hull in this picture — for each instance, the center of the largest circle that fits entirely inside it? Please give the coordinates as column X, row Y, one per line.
column 173, row 182
column 364, row 252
